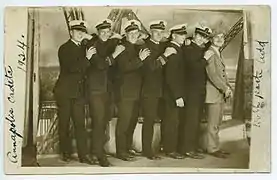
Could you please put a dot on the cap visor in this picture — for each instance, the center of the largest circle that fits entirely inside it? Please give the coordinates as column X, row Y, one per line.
column 79, row 29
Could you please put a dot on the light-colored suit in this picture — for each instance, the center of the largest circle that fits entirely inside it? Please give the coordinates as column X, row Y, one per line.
column 217, row 84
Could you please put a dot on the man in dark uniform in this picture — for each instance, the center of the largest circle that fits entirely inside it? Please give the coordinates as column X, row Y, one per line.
column 174, row 92
column 195, row 80
column 69, row 92
column 129, row 79
column 152, row 83
column 99, row 86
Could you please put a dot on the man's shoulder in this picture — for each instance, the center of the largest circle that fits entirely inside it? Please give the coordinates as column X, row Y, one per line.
column 66, row 45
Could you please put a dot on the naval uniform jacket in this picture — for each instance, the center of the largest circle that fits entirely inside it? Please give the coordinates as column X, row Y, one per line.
column 195, row 70
column 152, row 70
column 174, row 76
column 128, row 76
column 99, row 78
column 73, row 66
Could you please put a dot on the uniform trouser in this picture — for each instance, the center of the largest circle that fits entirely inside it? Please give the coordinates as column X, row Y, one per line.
column 171, row 127
column 161, row 115
column 191, row 114
column 128, row 110
column 150, row 108
column 100, row 114
column 75, row 109
column 214, row 115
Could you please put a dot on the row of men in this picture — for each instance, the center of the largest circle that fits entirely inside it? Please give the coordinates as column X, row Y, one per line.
column 185, row 76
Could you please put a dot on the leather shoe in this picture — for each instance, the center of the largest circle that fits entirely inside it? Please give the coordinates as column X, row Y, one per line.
column 86, row 160
column 218, row 154
column 134, row 153
column 175, row 155
column 94, row 159
column 201, row 151
column 194, row 155
column 125, row 157
column 224, row 152
column 66, row 157
column 153, row 157
column 104, row 162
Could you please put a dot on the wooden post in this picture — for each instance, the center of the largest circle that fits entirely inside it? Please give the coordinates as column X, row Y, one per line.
column 32, row 89
column 243, row 91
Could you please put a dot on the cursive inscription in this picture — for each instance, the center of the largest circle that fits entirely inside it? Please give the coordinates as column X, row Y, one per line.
column 261, row 50
column 22, row 56
column 12, row 154
column 258, row 102
column 10, row 117
column 9, row 82
column 258, row 98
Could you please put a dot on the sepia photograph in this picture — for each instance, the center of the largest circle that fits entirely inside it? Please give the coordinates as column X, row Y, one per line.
column 153, row 87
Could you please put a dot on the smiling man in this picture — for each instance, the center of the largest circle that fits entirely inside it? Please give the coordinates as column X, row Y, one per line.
column 174, row 91
column 100, row 85
column 152, row 83
column 218, row 90
column 69, row 91
column 129, row 81
column 195, row 90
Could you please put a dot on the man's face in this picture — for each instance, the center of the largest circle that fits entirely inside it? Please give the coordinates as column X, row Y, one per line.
column 157, row 34
column 104, row 34
column 179, row 38
column 132, row 36
column 201, row 39
column 218, row 40
column 77, row 35
column 206, row 39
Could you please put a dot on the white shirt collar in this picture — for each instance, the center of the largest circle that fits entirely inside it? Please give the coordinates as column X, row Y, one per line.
column 173, row 42
column 155, row 42
column 77, row 43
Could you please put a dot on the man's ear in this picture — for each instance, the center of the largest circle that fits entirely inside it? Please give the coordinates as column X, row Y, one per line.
column 173, row 36
column 187, row 41
column 71, row 32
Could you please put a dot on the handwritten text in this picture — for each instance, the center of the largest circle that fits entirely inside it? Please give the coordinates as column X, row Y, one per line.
column 22, row 56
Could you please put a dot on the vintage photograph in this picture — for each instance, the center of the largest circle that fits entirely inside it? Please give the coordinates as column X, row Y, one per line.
column 142, row 86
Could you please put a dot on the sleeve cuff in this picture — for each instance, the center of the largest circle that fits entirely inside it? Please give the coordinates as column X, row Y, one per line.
column 162, row 59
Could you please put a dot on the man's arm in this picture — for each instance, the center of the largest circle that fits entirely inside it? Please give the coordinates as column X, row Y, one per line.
column 173, row 77
column 99, row 62
column 162, row 59
column 127, row 63
column 214, row 76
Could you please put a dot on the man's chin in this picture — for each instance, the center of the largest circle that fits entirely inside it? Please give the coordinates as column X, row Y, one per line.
column 106, row 39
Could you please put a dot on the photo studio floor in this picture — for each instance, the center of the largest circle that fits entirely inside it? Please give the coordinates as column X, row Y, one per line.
column 233, row 140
